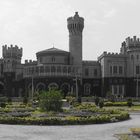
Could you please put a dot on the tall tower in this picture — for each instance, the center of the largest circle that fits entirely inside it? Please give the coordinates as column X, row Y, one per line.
column 12, row 57
column 75, row 26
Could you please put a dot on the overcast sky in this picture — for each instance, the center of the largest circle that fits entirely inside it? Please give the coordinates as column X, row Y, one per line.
column 36, row 25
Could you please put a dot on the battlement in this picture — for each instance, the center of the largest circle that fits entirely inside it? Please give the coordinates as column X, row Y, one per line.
column 89, row 63
column 76, row 18
column 12, row 51
column 111, row 54
column 30, row 62
column 75, row 24
column 132, row 42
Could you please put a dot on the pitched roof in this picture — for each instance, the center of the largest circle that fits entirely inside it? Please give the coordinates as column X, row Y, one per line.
column 52, row 50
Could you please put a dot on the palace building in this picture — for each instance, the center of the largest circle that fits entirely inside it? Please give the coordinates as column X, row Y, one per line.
column 118, row 73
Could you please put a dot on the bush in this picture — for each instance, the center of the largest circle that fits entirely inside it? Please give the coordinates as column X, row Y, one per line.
column 129, row 102
column 101, row 103
column 97, row 99
column 3, row 104
column 9, row 100
column 51, row 100
column 25, row 100
column 115, row 104
column 70, row 99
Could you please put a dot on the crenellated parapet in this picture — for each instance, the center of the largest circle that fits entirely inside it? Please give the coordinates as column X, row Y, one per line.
column 111, row 54
column 132, row 42
column 75, row 24
column 12, row 51
column 89, row 63
column 30, row 62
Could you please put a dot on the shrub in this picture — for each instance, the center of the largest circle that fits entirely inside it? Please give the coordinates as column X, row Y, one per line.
column 129, row 102
column 51, row 100
column 3, row 104
column 97, row 99
column 9, row 100
column 25, row 100
column 101, row 103
column 70, row 99
column 115, row 104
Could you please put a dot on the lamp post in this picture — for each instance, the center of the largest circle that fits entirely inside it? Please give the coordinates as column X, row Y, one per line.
column 137, row 86
column 32, row 88
column 76, row 84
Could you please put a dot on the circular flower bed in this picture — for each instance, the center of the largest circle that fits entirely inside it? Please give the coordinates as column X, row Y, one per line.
column 78, row 115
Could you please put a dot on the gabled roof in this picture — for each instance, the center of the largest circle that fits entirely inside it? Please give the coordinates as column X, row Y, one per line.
column 52, row 50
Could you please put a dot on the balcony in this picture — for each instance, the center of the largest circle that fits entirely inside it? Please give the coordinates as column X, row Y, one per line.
column 51, row 70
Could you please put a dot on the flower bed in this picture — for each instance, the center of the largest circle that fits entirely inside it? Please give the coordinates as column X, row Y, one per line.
column 78, row 115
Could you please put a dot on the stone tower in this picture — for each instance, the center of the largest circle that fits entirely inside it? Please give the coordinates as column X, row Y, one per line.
column 75, row 26
column 11, row 62
column 12, row 57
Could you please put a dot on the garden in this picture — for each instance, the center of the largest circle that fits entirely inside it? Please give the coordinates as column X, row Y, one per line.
column 47, row 108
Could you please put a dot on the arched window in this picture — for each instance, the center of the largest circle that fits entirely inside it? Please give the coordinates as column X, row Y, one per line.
column 87, row 89
column 53, row 86
column 40, row 86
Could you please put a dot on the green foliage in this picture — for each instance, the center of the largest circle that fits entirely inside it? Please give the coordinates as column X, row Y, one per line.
column 97, row 99
column 115, row 104
column 70, row 99
column 25, row 100
column 3, row 104
column 111, row 97
column 129, row 102
column 101, row 103
column 69, row 120
column 51, row 100
column 9, row 100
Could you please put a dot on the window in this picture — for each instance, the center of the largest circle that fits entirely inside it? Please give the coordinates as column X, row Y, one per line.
column 95, row 72
column 132, row 57
column 120, row 70
column 40, row 59
column 120, row 89
column 52, row 69
column 137, row 69
column 86, row 72
column 53, row 59
column 87, row 89
column 41, row 69
column 110, row 69
column 115, row 89
column 47, row 69
column 137, row 57
column 115, row 70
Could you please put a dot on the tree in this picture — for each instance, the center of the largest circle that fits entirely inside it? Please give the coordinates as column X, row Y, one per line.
column 51, row 100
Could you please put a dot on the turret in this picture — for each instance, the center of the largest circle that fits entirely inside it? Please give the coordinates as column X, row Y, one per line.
column 75, row 26
column 12, row 57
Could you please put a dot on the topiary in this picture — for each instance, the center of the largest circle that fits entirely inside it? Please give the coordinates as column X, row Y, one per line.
column 129, row 102
column 101, row 103
column 97, row 99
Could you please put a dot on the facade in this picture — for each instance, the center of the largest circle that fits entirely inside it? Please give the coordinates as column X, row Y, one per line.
column 65, row 70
